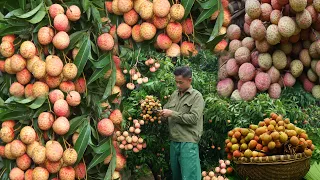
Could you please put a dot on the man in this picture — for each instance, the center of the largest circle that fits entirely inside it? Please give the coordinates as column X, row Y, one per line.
column 184, row 112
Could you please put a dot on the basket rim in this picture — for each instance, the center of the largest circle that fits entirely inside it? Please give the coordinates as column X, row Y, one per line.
column 249, row 161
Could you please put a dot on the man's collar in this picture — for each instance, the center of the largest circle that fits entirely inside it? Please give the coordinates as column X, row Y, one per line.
column 187, row 91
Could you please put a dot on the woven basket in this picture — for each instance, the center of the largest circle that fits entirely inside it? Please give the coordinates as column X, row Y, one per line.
column 277, row 168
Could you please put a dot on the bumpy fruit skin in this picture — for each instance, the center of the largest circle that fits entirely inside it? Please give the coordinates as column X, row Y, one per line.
column 253, row 9
column 54, row 151
column 16, row 174
column 279, row 59
column 55, row 9
column 45, row 35
column 105, row 42
column 28, row 174
column 286, row 26
column 23, row 162
column 274, row 90
column 163, row 41
column 7, row 134
column 39, row 69
column 124, row 31
column 39, row 154
column 31, row 61
column 225, row 87
column 116, row 116
column 125, row 5
column 316, row 91
column 173, row 51
column 17, row 148
column 67, row 86
column 147, row 30
column 161, row 8
column 67, row 173
column 246, row 72
column 265, row 61
column 6, row 49
column 16, row 89
column 23, row 77
column 121, row 162
column 31, row 147
column 177, row 12
column 18, row 63
column 105, row 127
column 61, row 126
column 275, row 17
column 27, row 49
column 7, row 152
column 136, row 33
column 304, row 19
column 61, row 22
column 174, row 30
column 233, row 32
column 131, row 17
column 248, row 91
column 9, row 37
column 187, row 26
column 296, row 68
column 45, row 121
column 80, row 170
column 262, row 81
column 160, row 22
column 73, row 98
column 188, row 48
column 70, row 71
column 80, row 85
column 61, row 40
column 55, row 95
column 298, row 5
column 61, row 107
column 70, row 156
column 9, row 123
column 273, row 35
column 40, row 173
column 53, row 166
column 242, row 55
column 73, row 13
column 27, row 135
column 257, row 30
column 146, row 10
column 7, row 66
column 40, row 89
column 54, row 65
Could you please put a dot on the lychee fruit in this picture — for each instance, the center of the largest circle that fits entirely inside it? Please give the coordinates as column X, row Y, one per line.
column 120, row 162
column 286, row 26
column 39, row 69
column 187, row 49
column 161, row 8
column 225, row 87
column 248, row 42
column 163, row 41
column 55, row 9
column 273, row 35
column 233, row 32
column 17, row 148
column 7, row 134
column 73, row 13
column 312, row 76
column 262, row 81
column 40, row 89
column 296, row 68
column 67, row 86
column 177, row 12
column 174, row 30
column 131, row 17
column 31, row 147
column 257, row 30
column 7, row 152
column 265, row 61
column 9, row 37
column 73, row 98
column 70, row 71
column 221, row 46
column 9, row 123
column 161, row 22
column 40, row 173
column 54, row 150
column 304, row 19
column 147, row 31
column 274, row 91
column 275, row 16
column 27, row 49
column 116, row 116
column 173, row 50
column 187, row 26
column 248, row 91
column 31, row 61
column 23, row 77
column 61, row 125
column 53, row 81
column 308, row 85
column 125, row 5
column 136, row 33
column 279, row 59
column 16, row 174
column 27, row 135
column 266, row 10
column 146, row 10
column 28, row 174
column 61, row 107
column 54, row 65
column 124, row 31
column 80, row 85
column 61, row 22
column 16, row 89
column 80, row 170
column 105, row 42
column 253, row 9
column 242, row 55
column 274, row 74
column 115, row 8
column 232, row 67
column 70, row 156
column 23, row 162
column 298, row 5
column 67, row 173
column 246, row 72
column 6, row 49
column 45, row 35
column 234, row 45
column 61, row 40
column 18, row 63
column 105, row 127
column 2, row 64
column 74, row 138
column 53, row 166
column 45, row 121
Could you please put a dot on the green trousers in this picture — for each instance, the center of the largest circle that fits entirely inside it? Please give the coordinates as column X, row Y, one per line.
column 185, row 161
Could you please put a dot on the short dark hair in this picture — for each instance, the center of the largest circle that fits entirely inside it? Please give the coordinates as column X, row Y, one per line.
column 183, row 71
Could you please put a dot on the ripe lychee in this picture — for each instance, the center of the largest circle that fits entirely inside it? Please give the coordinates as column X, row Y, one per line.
column 9, row 37
column 147, row 31
column 232, row 67
column 177, row 12
column 9, row 123
column 2, row 64
column 45, row 121
column 173, row 51
column 6, row 134
column 31, row 61
column 23, row 77
column 188, row 48
column 298, row 5
column 80, row 170
column 136, row 33
column 67, row 173
column 124, row 31
column 61, row 107
column 53, row 166
column 105, row 127
column 80, row 85
column 242, row 55
column 73, row 98
column 45, row 35
column 23, row 162
column 262, row 81
column 7, row 152
column 61, row 125
column 233, row 32
column 54, row 65
column 16, row 174
column 275, row 16
column 53, row 81
column 120, row 162
column 248, row 91
column 273, row 35
column 105, row 42
column 246, row 72
column 161, row 8
column 17, row 148
column 6, row 49
column 125, row 5
column 266, row 10
column 131, row 17
column 116, row 116
column 146, row 10
column 163, row 41
column 27, row 49
column 248, row 42
column 27, row 135
column 265, row 61
column 67, row 86
column 253, row 9
column 115, row 8
column 234, row 45
column 257, row 30
column 40, row 89
column 296, row 68
column 161, row 22
column 187, row 26
column 18, row 63
column 225, row 87
column 174, row 30
column 40, row 173
column 286, row 26
column 70, row 71
column 61, row 40
column 274, row 90
column 16, row 89
column 54, row 150
column 55, row 9
column 70, row 156
column 39, row 69
column 31, row 147
column 61, row 22
column 28, row 174
column 73, row 13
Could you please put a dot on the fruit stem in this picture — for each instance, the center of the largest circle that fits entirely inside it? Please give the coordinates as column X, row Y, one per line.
column 3, row 172
column 48, row 14
column 66, row 57
column 49, row 105
column 84, row 77
column 64, row 142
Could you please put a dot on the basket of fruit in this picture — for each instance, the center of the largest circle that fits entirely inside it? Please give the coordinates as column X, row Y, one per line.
column 273, row 149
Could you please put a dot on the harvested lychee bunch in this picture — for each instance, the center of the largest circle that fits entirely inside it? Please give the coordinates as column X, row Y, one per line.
column 131, row 140
column 218, row 172
column 274, row 135
column 150, row 107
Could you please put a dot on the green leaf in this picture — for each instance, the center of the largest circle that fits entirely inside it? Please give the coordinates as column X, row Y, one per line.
column 83, row 55
column 112, row 165
column 15, row 115
column 85, row 4
column 187, row 4
column 1, row 16
column 23, row 101
column 40, row 110
column 74, row 39
column 98, row 158
column 16, row 30
column 103, row 60
column 96, row 16
column 208, row 4
column 104, row 145
column 37, row 103
column 22, row 4
column 75, row 123
column 111, row 82
column 82, row 141
column 205, row 15
column 17, row 22
column 218, row 23
column 98, row 73
column 38, row 17
column 32, row 12
column 40, row 25
column 17, row 12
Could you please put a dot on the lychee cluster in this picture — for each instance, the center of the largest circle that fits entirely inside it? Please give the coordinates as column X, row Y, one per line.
column 131, row 140
column 219, row 172
column 150, row 108
column 280, row 46
column 156, row 15
column 35, row 160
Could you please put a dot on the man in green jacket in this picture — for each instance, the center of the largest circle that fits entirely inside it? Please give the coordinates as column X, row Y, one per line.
column 184, row 112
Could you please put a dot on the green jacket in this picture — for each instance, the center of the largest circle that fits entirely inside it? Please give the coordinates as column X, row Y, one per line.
column 186, row 121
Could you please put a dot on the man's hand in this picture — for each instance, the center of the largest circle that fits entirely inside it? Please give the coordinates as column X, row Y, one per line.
column 166, row 112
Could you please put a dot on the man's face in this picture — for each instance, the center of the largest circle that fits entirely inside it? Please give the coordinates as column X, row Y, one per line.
column 183, row 83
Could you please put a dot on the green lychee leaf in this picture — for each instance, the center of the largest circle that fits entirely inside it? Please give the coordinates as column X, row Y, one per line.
column 32, row 12
column 38, row 103
column 83, row 55
column 75, row 123
column 83, row 141
column 187, row 4
column 112, row 165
